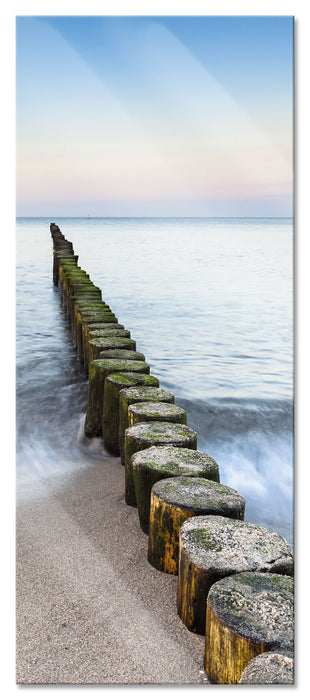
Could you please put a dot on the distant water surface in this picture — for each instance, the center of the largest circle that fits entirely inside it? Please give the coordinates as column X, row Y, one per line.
column 210, row 304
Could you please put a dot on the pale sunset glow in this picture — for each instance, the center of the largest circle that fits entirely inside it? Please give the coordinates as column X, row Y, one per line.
column 154, row 116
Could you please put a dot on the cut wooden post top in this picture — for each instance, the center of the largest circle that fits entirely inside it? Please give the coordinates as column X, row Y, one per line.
column 256, row 606
column 160, row 432
column 175, row 461
column 218, row 543
column 198, row 494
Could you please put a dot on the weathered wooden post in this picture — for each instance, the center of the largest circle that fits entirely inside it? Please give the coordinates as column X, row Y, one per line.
column 110, row 417
column 247, row 614
column 175, row 500
column 212, row 547
column 106, row 342
column 157, row 463
column 119, row 354
column 134, row 394
column 98, row 371
column 83, row 319
column 147, row 412
column 143, row 435
column 61, row 255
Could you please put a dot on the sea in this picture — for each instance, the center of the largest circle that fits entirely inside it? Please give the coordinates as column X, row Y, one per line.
column 210, row 303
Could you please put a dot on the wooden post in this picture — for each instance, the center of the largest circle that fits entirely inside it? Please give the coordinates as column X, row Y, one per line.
column 212, row 547
column 156, row 463
column 98, row 371
column 175, row 500
column 143, row 435
column 247, row 614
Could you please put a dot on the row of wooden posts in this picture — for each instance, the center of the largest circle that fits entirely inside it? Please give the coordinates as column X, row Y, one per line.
column 235, row 579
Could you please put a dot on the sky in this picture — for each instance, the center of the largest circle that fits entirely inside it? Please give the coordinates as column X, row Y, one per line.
column 154, row 116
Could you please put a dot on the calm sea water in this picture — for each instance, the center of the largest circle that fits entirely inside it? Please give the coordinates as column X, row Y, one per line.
column 210, row 304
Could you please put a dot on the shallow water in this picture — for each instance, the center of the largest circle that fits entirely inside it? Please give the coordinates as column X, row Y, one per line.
column 210, row 304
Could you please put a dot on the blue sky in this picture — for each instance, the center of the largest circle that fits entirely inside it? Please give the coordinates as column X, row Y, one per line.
column 154, row 116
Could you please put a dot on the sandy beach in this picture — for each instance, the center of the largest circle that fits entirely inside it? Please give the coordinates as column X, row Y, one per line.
column 90, row 608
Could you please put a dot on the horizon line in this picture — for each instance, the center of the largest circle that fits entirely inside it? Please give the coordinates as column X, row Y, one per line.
column 21, row 216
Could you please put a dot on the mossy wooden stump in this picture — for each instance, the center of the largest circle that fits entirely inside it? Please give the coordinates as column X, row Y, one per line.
column 98, row 371
column 175, row 500
column 82, row 320
column 212, row 547
column 100, row 329
column 247, row 614
column 91, row 344
column 87, row 303
column 156, row 463
column 132, row 395
column 95, row 316
column 101, row 316
column 83, row 295
column 147, row 411
column 110, row 417
column 71, row 288
column 88, row 328
column 103, row 332
column 108, row 342
column 79, row 298
column 62, row 254
column 271, row 668
column 143, row 435
column 119, row 354
column 80, row 287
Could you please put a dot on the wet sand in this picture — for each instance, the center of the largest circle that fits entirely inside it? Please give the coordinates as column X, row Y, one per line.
column 90, row 608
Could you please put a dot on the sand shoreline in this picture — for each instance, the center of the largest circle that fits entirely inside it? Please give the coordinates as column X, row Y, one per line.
column 90, row 608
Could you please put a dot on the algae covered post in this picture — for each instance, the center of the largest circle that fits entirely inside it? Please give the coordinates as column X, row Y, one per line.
column 176, row 499
column 212, row 547
column 247, row 614
column 156, row 463
column 98, row 371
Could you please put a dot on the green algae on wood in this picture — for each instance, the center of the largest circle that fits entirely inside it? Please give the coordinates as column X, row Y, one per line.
column 121, row 354
column 176, row 499
column 135, row 394
column 74, row 302
column 212, row 547
column 156, row 463
column 102, row 332
column 92, row 339
column 88, row 328
column 98, row 371
column 56, row 258
column 142, row 412
column 247, row 614
column 70, row 288
column 110, row 417
column 96, row 316
column 88, row 302
column 108, row 342
column 143, row 435
column 82, row 320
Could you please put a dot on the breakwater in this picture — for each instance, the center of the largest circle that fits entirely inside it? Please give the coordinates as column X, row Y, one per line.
column 169, row 481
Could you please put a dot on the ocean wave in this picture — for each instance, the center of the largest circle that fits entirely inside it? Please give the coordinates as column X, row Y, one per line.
column 226, row 417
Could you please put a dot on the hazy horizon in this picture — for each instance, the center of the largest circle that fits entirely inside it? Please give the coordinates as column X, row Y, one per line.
column 70, row 216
